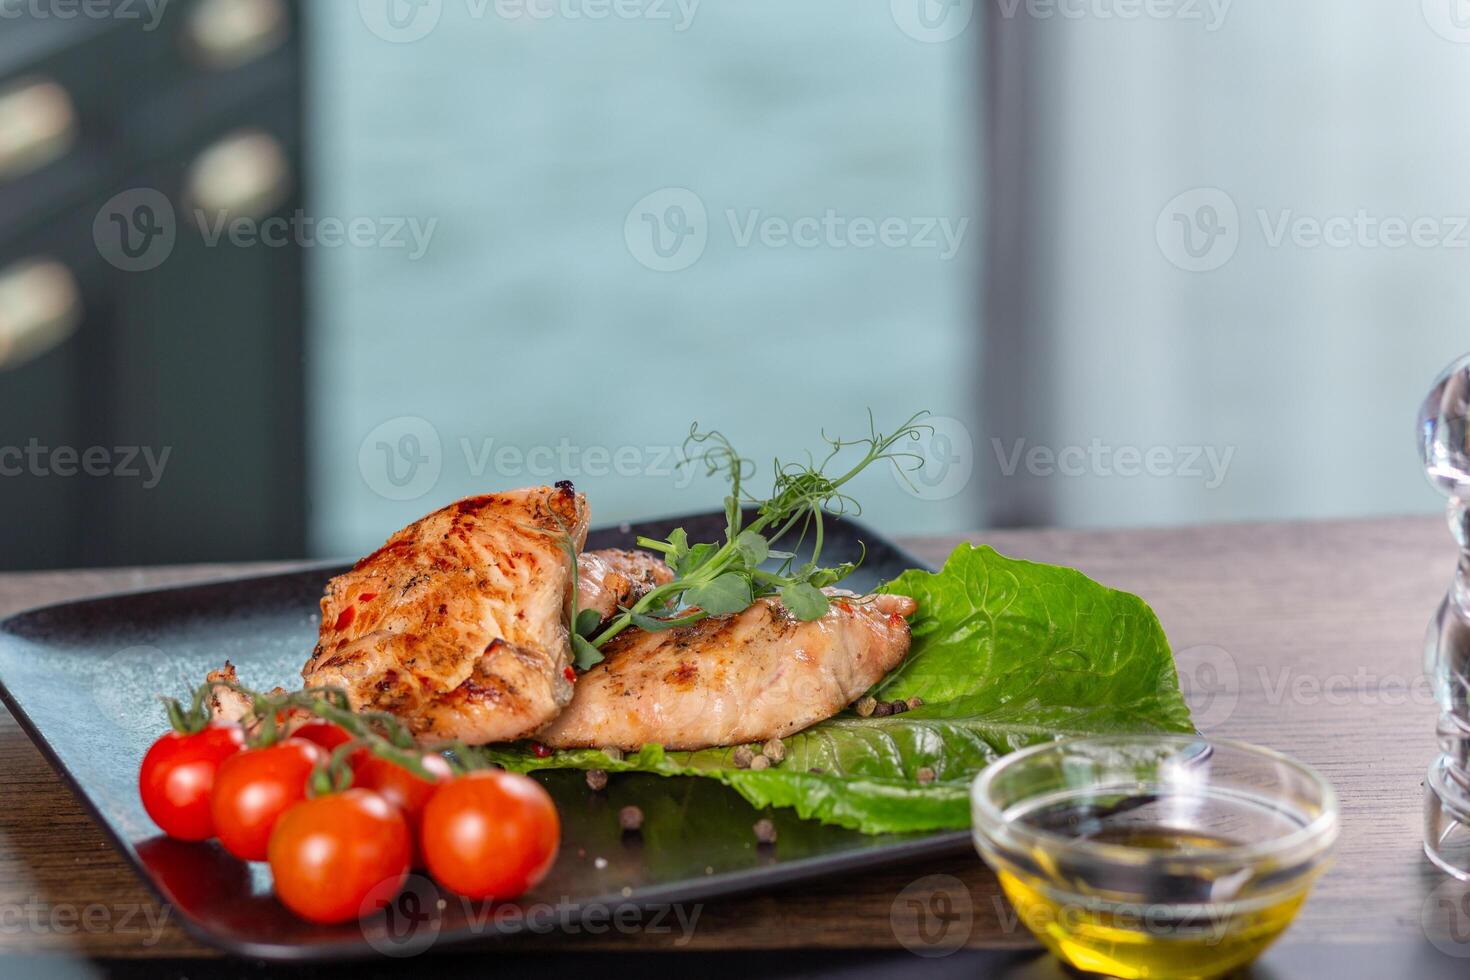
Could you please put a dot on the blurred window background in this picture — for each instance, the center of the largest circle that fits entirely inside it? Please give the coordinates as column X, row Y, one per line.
column 1233, row 229
column 633, row 223
column 278, row 278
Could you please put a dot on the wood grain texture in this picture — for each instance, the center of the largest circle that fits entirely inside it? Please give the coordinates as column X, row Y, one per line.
column 1303, row 637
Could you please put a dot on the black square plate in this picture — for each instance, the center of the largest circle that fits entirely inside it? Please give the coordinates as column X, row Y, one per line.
column 83, row 678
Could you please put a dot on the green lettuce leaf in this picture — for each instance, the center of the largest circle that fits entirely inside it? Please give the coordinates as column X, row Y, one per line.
column 1005, row 654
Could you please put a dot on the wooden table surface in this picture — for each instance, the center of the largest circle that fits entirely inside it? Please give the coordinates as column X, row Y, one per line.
column 1303, row 637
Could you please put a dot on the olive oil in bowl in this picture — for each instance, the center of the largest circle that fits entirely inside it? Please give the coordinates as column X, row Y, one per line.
column 1154, row 857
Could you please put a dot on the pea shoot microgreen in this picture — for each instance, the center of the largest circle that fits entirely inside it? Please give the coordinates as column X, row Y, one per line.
column 715, row 578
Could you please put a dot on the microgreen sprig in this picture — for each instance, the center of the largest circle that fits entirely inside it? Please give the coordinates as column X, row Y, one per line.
column 712, row 579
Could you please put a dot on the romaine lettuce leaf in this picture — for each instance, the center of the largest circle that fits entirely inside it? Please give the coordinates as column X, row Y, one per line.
column 1005, row 654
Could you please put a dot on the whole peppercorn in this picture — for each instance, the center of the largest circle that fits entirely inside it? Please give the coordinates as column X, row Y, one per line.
column 882, row 709
column 760, row 762
column 916, row 702
column 899, row 707
column 865, row 706
column 742, row 757
column 630, row 818
column 774, row 749
column 597, row 780
column 765, row 831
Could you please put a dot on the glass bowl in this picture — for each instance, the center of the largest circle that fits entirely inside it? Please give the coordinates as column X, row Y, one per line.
column 1154, row 855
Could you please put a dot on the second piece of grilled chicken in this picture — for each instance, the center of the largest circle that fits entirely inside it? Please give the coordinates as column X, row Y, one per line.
column 727, row 680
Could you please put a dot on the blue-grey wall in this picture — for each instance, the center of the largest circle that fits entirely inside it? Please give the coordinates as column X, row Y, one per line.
column 541, row 333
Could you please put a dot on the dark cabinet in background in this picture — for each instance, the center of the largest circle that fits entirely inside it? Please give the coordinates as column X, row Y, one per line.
column 151, row 376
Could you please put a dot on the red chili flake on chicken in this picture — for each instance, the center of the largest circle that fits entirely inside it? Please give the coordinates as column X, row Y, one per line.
column 570, row 675
column 367, row 597
column 540, row 751
column 345, row 619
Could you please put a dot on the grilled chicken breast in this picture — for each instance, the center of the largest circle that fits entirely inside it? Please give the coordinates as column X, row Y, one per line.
column 727, row 680
column 458, row 625
column 606, row 580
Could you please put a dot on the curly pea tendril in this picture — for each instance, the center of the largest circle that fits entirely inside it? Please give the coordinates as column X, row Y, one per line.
column 377, row 732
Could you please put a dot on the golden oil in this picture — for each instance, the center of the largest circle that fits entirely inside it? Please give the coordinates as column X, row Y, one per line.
column 1184, row 936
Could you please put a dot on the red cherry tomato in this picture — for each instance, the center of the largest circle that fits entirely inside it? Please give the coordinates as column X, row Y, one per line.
column 254, row 788
column 339, row 856
column 400, row 787
column 178, row 774
column 323, row 733
column 490, row 834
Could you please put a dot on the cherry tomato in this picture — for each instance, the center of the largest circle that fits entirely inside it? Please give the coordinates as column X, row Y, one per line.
column 340, row 855
column 490, row 834
column 400, row 787
column 323, row 733
column 177, row 776
column 254, row 788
